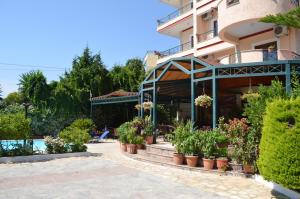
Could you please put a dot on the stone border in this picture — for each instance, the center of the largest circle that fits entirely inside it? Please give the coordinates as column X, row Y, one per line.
column 185, row 167
column 274, row 186
column 45, row 157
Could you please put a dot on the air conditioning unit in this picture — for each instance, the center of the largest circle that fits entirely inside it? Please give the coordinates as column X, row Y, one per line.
column 206, row 16
column 280, row 31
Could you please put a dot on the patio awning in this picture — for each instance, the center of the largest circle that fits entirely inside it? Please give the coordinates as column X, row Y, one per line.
column 116, row 97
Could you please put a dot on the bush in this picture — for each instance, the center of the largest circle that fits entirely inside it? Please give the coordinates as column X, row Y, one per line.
column 55, row 145
column 279, row 159
column 76, row 138
column 182, row 132
column 14, row 127
column 192, row 144
column 122, row 130
column 83, row 124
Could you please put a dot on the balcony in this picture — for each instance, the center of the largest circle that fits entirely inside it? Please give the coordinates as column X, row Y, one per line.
column 175, row 50
column 206, row 36
column 175, row 14
column 250, row 56
column 239, row 18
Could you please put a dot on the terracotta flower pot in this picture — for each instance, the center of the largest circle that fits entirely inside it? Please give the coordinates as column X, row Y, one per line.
column 249, row 169
column 178, row 158
column 131, row 148
column 139, row 146
column 236, row 167
column 208, row 164
column 123, row 147
column 149, row 139
column 222, row 164
column 191, row 160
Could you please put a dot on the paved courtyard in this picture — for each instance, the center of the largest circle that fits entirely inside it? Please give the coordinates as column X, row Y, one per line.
column 112, row 175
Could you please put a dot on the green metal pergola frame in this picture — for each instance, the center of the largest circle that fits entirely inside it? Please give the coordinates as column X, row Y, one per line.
column 257, row 69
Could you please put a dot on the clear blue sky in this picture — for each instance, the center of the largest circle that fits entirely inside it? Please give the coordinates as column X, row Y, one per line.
column 52, row 32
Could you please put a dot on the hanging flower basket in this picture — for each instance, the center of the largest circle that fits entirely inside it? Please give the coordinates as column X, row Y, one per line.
column 138, row 107
column 147, row 105
column 203, row 101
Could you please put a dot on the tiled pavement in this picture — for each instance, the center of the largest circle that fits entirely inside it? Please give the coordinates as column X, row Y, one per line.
column 114, row 175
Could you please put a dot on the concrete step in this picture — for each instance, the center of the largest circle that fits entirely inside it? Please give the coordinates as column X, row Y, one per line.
column 160, row 150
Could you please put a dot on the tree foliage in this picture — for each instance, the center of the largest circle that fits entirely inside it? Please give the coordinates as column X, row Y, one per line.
column 279, row 159
column 13, row 98
column 291, row 18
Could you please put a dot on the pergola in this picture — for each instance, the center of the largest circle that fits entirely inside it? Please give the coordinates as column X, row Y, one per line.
column 194, row 70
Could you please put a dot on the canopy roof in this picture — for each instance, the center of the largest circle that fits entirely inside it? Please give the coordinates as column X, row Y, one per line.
column 119, row 96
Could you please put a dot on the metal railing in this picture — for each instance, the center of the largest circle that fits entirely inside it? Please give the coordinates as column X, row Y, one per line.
column 249, row 56
column 177, row 49
column 175, row 14
column 206, row 36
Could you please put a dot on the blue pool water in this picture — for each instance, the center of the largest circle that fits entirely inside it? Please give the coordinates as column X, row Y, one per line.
column 38, row 144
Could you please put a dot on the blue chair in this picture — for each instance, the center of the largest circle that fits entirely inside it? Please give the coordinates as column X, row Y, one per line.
column 99, row 138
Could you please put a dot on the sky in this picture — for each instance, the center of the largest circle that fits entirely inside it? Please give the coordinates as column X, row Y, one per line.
column 48, row 34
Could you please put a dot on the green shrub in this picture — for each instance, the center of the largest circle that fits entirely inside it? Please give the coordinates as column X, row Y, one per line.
column 14, row 127
column 55, row 145
column 210, row 140
column 279, row 159
column 76, row 138
column 182, row 132
column 192, row 144
column 83, row 124
column 139, row 140
column 122, row 130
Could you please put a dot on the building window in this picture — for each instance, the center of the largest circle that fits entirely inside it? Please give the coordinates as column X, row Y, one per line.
column 232, row 2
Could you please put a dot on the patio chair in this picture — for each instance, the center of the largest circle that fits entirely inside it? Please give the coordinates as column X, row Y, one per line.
column 97, row 139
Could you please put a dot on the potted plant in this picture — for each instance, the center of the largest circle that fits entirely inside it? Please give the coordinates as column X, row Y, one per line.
column 131, row 138
column 222, row 160
column 139, row 142
column 122, row 132
column 177, row 138
column 191, row 148
column 249, row 157
column 203, row 101
column 209, row 148
column 148, row 132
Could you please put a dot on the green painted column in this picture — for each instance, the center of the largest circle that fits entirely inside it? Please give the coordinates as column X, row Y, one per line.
column 215, row 99
column 288, row 87
column 91, row 113
column 154, row 109
column 193, row 107
column 142, row 101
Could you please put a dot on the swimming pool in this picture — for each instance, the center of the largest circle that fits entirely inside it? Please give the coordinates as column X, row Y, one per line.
column 38, row 144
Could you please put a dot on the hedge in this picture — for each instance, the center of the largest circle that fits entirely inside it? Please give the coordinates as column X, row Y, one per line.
column 279, row 159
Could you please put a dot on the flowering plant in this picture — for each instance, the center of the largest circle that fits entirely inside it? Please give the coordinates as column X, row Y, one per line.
column 138, row 107
column 203, row 101
column 147, row 105
column 54, row 145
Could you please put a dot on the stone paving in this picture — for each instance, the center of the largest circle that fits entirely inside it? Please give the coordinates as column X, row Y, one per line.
column 113, row 175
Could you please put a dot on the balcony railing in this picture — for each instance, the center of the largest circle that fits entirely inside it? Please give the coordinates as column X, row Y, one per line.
column 207, row 36
column 177, row 49
column 249, row 56
column 175, row 14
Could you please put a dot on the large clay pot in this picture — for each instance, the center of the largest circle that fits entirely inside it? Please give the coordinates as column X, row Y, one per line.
column 191, row 160
column 248, row 169
column 222, row 164
column 149, row 139
column 123, row 147
column 208, row 163
column 131, row 148
column 139, row 146
column 236, row 167
column 178, row 158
